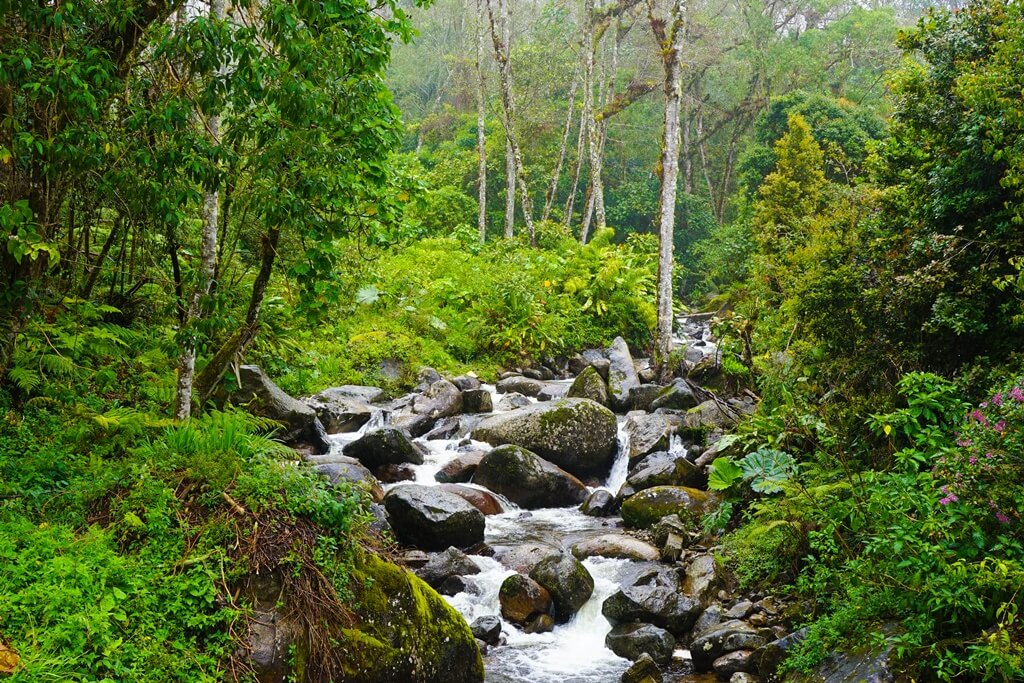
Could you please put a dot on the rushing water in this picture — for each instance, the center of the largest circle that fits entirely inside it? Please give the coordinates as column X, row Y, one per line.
column 573, row 652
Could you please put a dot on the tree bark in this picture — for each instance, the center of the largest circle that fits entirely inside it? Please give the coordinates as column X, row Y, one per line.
column 549, row 199
column 671, row 43
column 208, row 266
column 481, row 132
column 502, row 54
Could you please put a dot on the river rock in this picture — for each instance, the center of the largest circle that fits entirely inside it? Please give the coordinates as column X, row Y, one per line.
column 768, row 658
column 460, row 469
column 600, row 503
column 568, row 582
column 553, row 392
column 658, row 604
column 621, row 374
column 343, row 468
column 451, row 562
column 577, row 434
column 632, row 640
column 432, row 519
column 733, row 662
column 665, row 469
column 701, row 579
column 725, row 638
column 523, row 558
column 384, row 446
column 679, row 395
column 457, row 427
column 743, row 677
column 412, row 423
column 484, row 501
column 643, row 670
column 363, row 394
column 260, row 396
column 477, row 401
column 645, row 508
column 641, row 397
column 520, row 385
column 712, row 414
column 513, row 400
column 441, row 399
column 589, row 385
column 467, row 383
column 528, row 480
column 650, row 433
column 522, row 598
column 403, row 631
column 615, row 545
column 539, row 623
column 339, row 412
column 487, row 628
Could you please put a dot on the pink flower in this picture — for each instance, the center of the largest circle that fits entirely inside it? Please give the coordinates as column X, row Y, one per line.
column 973, row 460
column 1000, row 426
column 997, row 400
column 980, row 417
column 1017, row 394
column 1002, row 518
column 964, row 443
column 951, row 498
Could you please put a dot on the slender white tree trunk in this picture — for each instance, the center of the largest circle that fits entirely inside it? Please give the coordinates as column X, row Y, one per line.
column 502, row 54
column 589, row 44
column 671, row 43
column 549, row 200
column 481, row 133
column 208, row 264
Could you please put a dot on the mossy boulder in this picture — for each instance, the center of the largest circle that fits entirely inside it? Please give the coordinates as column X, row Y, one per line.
column 527, row 479
column 650, row 433
column 633, row 640
column 387, row 446
column 576, row 434
column 404, row 630
column 522, row 599
column 677, row 396
column 666, row 469
column 589, row 385
column 647, row 507
column 568, row 582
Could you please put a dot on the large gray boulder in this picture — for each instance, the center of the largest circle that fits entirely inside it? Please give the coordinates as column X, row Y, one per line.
column 590, row 385
column 432, row 519
column 440, row 566
column 441, row 399
column 712, row 414
column 644, row 509
column 523, row 558
column 568, row 582
column 658, row 602
column 341, row 468
column 260, row 396
column 520, row 385
column 633, row 640
column 355, row 392
column 621, row 374
column 678, row 396
column 650, row 433
column 725, row 638
column 385, row 446
column 477, row 401
column 665, row 469
column 527, row 479
column 577, row 434
column 340, row 412
column 460, row 469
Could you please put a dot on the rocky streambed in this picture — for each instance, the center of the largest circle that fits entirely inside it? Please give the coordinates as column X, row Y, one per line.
column 558, row 512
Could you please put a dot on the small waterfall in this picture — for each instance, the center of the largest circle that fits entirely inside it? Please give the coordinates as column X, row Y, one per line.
column 620, row 466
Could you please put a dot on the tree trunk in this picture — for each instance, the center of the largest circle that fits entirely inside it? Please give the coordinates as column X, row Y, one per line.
column 588, row 120
column 481, row 133
column 207, row 380
column 549, row 200
column 208, row 266
column 671, row 44
column 501, row 52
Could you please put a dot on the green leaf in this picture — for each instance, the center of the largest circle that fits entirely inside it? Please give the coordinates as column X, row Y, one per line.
column 367, row 295
column 768, row 469
column 723, row 473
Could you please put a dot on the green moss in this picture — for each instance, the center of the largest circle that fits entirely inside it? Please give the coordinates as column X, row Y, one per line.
column 647, row 507
column 404, row 630
column 764, row 554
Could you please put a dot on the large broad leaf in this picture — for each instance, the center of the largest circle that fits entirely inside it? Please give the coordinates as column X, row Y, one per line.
column 768, row 470
column 367, row 294
column 723, row 473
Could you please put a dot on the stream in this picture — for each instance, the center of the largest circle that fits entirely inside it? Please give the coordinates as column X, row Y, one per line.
column 573, row 652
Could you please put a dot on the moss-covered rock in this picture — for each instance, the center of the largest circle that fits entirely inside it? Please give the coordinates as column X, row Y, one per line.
column 528, row 480
column 577, row 434
column 647, row 507
column 568, row 582
column 404, row 631
column 589, row 385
